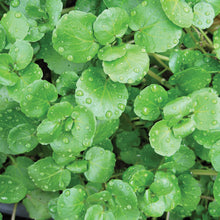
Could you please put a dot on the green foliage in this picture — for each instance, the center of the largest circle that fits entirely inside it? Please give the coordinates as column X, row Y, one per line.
column 110, row 109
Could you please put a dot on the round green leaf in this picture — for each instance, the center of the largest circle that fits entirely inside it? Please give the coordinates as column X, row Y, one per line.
column 190, row 191
column 15, row 25
column 138, row 177
column 49, row 176
column 78, row 166
column 66, row 83
column 162, row 139
column 207, row 138
column 77, row 43
column 184, row 128
column 214, row 155
column 203, row 15
column 123, row 192
column 106, row 99
column 120, row 70
column 163, row 183
column 100, row 164
column 2, row 38
column 153, row 29
column 97, row 212
column 109, row 52
column 22, row 53
column 27, row 76
column 110, row 24
column 214, row 209
column 216, row 41
column 11, row 191
column 148, row 104
column 179, row 12
column 7, row 77
column 36, row 99
column 22, row 138
column 70, row 204
column 183, row 159
column 191, row 79
column 207, row 109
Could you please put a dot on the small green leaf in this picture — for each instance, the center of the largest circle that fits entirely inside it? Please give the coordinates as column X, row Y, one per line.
column 138, row 177
column 106, row 99
column 19, row 171
column 214, row 209
column 36, row 203
column 184, row 128
column 110, row 24
column 214, row 155
column 203, row 15
column 36, row 99
column 15, row 25
column 153, row 29
column 11, row 191
column 27, row 76
column 7, row 77
column 163, row 183
column 97, row 212
column 207, row 109
column 148, row 104
column 21, row 53
column 191, row 79
column 190, row 191
column 109, row 52
column 100, row 164
column 70, row 204
column 78, row 166
column 66, row 83
column 179, row 12
column 76, row 39
column 49, row 176
column 163, row 140
column 120, row 70
column 22, row 138
column 216, row 41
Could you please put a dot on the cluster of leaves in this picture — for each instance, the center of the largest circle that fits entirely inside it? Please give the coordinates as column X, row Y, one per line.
column 127, row 125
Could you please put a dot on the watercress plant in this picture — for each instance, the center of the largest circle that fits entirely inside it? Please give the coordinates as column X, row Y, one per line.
column 110, row 109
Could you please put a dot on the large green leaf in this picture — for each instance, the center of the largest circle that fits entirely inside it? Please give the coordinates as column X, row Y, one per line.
column 203, row 15
column 216, row 41
column 11, row 191
column 70, row 204
column 77, row 43
column 131, row 67
column 7, row 76
column 15, row 25
column 110, row 24
column 100, row 164
column 106, row 99
column 49, row 176
column 179, row 12
column 22, row 138
column 21, row 53
column 214, row 155
column 163, row 140
column 153, row 29
column 36, row 99
column 207, row 109
column 31, row 73
column 149, row 102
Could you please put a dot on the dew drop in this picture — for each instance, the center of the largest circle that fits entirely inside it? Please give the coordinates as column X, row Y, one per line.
column 86, row 142
column 46, row 85
column 15, row 3
column 207, row 13
column 160, row 99
column 133, row 13
column 61, row 184
column 186, row 10
column 175, row 41
column 67, row 193
column 214, row 122
column 4, row 198
column 29, row 97
column 41, row 174
column 168, row 140
column 208, row 21
column 60, row 49
column 89, row 58
column 121, row 78
column 70, row 58
column 121, row 106
column 143, row 50
column 130, row 81
column 214, row 101
column 79, row 93
column 65, row 140
column 90, row 79
column 88, row 100
column 136, row 70
column 154, row 88
column 216, row 45
column 27, row 145
column 18, row 15
column 108, row 114
column 9, row 182
column 128, row 206
column 145, row 111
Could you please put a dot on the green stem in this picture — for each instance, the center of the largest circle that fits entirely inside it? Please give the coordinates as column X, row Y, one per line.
column 188, row 30
column 206, row 37
column 12, row 159
column 116, row 175
column 14, row 211
column 67, row 10
column 204, row 172
column 159, row 79
column 158, row 59
column 162, row 57
column 207, row 197
column 168, row 216
column 3, row 6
